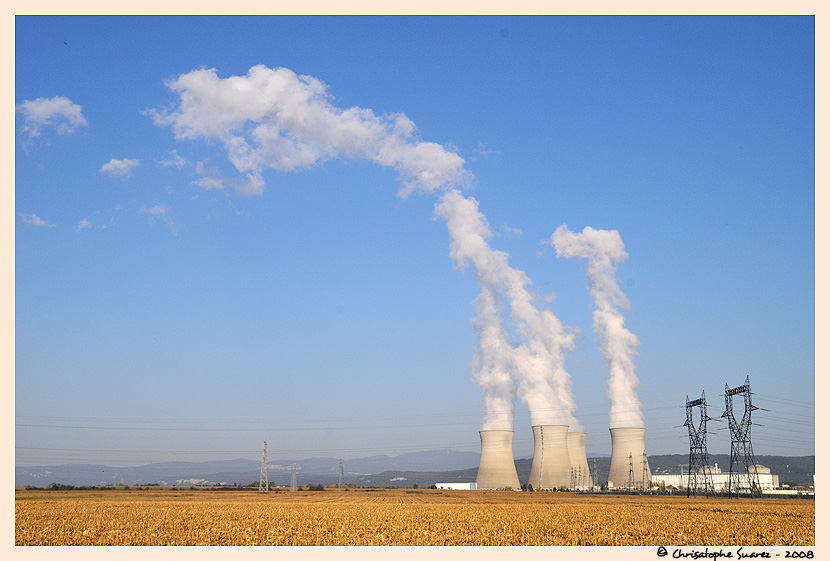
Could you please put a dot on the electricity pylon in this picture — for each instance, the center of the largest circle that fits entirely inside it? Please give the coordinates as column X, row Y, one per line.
column 743, row 472
column 698, row 455
column 595, row 480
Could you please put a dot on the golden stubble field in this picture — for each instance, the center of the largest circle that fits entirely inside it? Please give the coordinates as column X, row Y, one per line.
column 404, row 517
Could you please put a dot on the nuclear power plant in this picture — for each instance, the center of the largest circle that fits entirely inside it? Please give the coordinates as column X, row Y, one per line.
column 629, row 464
column 551, row 467
column 496, row 469
column 560, row 460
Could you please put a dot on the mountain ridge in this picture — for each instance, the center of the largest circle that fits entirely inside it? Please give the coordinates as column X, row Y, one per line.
column 405, row 470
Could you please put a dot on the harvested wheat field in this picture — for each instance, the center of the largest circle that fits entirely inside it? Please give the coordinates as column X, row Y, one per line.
column 401, row 517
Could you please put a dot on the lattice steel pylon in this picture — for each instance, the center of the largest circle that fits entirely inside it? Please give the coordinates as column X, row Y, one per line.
column 699, row 470
column 263, row 471
column 595, row 480
column 340, row 482
column 630, row 472
column 293, row 477
column 743, row 472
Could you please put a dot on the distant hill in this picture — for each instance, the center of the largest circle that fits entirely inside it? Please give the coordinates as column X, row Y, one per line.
column 242, row 471
column 405, row 470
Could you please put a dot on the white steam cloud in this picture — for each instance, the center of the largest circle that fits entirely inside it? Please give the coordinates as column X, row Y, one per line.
column 273, row 118
column 493, row 362
column 276, row 119
column 604, row 250
column 544, row 383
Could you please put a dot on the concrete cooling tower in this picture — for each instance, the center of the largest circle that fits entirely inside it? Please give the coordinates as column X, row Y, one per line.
column 497, row 470
column 581, row 476
column 551, row 467
column 629, row 463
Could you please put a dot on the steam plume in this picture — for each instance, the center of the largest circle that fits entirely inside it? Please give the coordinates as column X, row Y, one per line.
column 492, row 363
column 544, row 383
column 274, row 118
column 604, row 251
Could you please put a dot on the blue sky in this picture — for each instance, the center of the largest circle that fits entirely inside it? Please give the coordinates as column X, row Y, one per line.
column 163, row 312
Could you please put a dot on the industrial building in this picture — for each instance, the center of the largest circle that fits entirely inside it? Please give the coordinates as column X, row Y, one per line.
column 720, row 480
column 457, row 486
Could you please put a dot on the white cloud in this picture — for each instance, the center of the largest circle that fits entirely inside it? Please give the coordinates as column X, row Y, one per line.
column 273, row 118
column 119, row 168
column 34, row 220
column 82, row 225
column 158, row 210
column 161, row 212
column 209, row 183
column 511, row 232
column 174, row 160
column 57, row 112
column 212, row 178
column 482, row 151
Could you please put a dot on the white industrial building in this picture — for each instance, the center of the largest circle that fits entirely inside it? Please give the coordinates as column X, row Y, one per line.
column 720, row 481
column 457, row 486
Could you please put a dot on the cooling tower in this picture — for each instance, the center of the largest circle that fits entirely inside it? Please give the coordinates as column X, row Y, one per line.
column 497, row 470
column 628, row 460
column 579, row 461
column 551, row 467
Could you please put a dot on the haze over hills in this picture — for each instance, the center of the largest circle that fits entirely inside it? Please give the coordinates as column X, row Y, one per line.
column 241, row 470
column 405, row 470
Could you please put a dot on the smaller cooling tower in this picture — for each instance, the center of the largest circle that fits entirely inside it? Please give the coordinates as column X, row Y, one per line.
column 497, row 470
column 551, row 467
column 581, row 476
column 628, row 460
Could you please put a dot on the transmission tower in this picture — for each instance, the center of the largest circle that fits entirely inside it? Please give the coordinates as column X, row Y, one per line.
column 596, row 477
column 293, row 477
column 743, row 472
column 630, row 472
column 340, row 483
column 698, row 455
column 263, row 471
column 645, row 473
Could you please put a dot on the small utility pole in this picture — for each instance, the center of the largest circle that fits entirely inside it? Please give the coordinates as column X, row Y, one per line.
column 263, row 471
